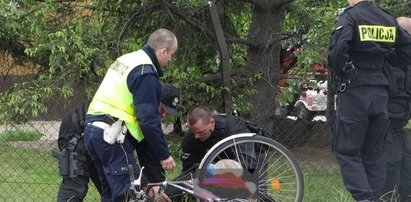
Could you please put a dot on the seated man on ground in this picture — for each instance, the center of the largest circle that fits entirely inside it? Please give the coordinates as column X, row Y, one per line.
column 205, row 130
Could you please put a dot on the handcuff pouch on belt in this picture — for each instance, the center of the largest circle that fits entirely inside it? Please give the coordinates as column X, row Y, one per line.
column 71, row 163
column 349, row 73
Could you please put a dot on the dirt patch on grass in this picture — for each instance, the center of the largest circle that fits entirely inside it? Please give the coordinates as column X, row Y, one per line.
column 43, row 145
column 319, row 157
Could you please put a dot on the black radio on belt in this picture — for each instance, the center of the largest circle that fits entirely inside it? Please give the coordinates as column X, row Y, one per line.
column 349, row 71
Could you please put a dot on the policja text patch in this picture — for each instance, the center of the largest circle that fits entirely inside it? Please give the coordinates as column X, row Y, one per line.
column 377, row 33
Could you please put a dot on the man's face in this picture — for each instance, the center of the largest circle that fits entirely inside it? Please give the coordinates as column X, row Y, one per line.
column 164, row 55
column 161, row 111
column 202, row 130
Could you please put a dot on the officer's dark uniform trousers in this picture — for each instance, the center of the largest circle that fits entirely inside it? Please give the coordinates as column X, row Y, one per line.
column 367, row 37
column 398, row 165
column 116, row 177
column 358, row 139
column 398, row 142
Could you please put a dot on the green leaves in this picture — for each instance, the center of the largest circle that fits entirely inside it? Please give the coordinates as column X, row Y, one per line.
column 67, row 54
column 70, row 44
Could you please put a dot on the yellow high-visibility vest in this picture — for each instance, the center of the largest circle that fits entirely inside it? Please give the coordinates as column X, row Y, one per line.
column 113, row 96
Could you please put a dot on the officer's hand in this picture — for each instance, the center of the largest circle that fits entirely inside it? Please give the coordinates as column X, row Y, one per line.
column 168, row 164
column 158, row 197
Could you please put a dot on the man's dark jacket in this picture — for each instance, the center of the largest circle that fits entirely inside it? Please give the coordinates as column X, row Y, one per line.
column 193, row 150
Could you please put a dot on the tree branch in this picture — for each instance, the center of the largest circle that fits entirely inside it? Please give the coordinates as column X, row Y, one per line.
column 217, row 76
column 248, row 1
column 242, row 41
column 282, row 3
column 129, row 22
column 168, row 10
column 190, row 21
column 200, row 26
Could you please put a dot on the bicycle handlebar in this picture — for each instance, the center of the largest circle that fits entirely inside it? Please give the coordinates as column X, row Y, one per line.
column 184, row 185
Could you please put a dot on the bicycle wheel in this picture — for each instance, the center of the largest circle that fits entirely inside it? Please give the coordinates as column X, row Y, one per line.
column 279, row 174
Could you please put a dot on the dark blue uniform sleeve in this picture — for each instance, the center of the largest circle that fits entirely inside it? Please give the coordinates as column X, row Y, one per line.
column 340, row 42
column 146, row 90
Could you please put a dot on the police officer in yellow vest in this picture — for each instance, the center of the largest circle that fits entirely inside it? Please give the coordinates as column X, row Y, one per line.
column 124, row 111
column 365, row 39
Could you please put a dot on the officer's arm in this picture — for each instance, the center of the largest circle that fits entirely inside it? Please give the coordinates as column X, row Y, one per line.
column 66, row 132
column 401, row 56
column 340, row 41
column 189, row 152
column 146, row 101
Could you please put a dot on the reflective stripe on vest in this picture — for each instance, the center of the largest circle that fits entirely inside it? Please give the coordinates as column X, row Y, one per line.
column 113, row 96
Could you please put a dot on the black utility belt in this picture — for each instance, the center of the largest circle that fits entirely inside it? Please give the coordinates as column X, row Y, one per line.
column 370, row 66
column 109, row 119
column 368, row 58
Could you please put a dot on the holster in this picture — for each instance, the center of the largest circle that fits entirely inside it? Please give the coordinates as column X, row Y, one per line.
column 71, row 163
column 78, row 165
column 63, row 157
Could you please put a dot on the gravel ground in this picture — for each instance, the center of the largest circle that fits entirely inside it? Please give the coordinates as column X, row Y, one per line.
column 49, row 129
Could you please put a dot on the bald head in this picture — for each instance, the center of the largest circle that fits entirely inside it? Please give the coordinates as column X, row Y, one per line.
column 198, row 113
column 162, row 38
column 405, row 23
column 353, row 2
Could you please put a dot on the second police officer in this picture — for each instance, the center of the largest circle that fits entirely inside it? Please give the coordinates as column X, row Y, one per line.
column 398, row 144
column 365, row 39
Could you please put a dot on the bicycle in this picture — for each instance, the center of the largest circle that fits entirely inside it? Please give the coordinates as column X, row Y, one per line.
column 277, row 172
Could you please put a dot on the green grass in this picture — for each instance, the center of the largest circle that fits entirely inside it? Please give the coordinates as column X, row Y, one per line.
column 27, row 174
column 19, row 135
column 32, row 175
column 175, row 153
column 324, row 185
column 408, row 125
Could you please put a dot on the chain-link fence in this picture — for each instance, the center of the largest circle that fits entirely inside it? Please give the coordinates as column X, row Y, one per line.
column 29, row 172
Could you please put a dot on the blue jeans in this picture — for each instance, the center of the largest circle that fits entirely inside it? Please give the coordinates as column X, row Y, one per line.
column 111, row 162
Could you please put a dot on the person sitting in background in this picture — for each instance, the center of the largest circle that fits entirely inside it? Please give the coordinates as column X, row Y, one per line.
column 205, row 130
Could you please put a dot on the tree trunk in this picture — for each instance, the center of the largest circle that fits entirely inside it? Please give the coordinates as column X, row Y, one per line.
column 264, row 59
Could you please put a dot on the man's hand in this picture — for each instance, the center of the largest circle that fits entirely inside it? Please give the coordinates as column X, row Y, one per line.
column 168, row 164
column 158, row 197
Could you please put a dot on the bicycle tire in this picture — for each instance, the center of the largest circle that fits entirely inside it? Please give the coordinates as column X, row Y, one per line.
column 283, row 180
